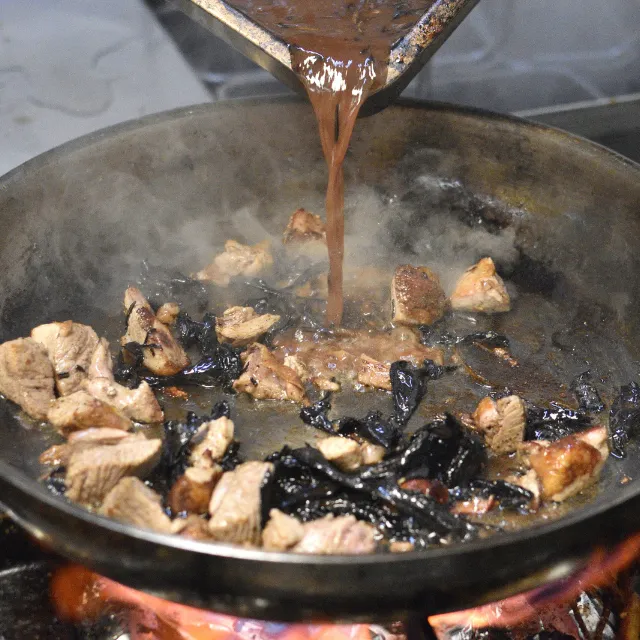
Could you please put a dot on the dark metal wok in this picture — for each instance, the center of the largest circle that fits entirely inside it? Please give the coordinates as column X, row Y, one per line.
column 559, row 214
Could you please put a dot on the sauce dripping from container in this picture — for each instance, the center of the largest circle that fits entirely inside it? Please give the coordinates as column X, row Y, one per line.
column 340, row 51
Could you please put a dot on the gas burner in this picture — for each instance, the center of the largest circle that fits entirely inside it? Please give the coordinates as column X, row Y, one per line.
column 43, row 597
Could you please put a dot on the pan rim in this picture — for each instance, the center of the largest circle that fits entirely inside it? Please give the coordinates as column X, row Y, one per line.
column 30, row 486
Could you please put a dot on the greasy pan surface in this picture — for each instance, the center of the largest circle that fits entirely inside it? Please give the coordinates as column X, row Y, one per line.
column 559, row 215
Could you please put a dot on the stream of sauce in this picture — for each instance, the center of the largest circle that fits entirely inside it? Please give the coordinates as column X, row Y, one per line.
column 340, row 51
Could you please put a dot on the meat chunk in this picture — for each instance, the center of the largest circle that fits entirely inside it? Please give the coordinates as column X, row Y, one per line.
column 26, row 376
column 132, row 502
column 242, row 325
column 567, row 466
column 101, row 365
column 168, row 313
column 192, row 491
column 70, row 347
column 502, row 422
column 192, row 527
column 265, row 378
column 303, row 226
column 281, row 532
column 372, row 373
column 59, row 454
column 80, row 410
column 481, row 289
column 236, row 502
column 344, row 453
column 237, row 260
column 212, row 440
column 372, row 453
column 93, row 471
column 139, row 404
column 343, row 534
column 167, row 356
column 321, row 382
column 416, row 295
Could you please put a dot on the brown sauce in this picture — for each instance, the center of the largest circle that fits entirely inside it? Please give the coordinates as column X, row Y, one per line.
column 340, row 51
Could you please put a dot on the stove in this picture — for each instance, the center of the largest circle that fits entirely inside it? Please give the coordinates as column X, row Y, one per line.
column 44, row 597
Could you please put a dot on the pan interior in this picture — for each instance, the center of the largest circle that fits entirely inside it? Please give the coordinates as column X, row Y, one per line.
column 432, row 187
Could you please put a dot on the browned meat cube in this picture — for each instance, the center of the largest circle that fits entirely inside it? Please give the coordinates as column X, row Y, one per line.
column 80, row 410
column 132, row 502
column 212, row 440
column 281, row 532
column 481, row 289
column 265, row 378
column 303, row 226
column 372, row 373
column 242, row 325
column 343, row 534
column 192, row 491
column 168, row 312
column 139, row 404
column 192, row 527
column 101, row 365
column 167, row 356
column 567, row 466
column 345, row 453
column 417, row 296
column 26, row 376
column 237, row 260
column 372, row 453
column 58, row 455
column 93, row 471
column 235, row 504
column 70, row 347
column 502, row 422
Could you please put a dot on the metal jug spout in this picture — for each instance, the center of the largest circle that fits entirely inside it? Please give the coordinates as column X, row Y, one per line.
column 408, row 55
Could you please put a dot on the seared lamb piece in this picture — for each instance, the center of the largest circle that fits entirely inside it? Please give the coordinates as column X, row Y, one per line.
column 372, row 453
column 237, row 260
column 26, row 376
column 192, row 527
column 236, row 502
column 343, row 534
column 501, row 422
column 166, row 357
column 340, row 354
column 569, row 465
column 344, row 453
column 192, row 491
column 212, row 440
column 168, row 312
column 303, row 226
column 80, row 410
column 70, row 347
column 132, row 502
column 416, row 295
column 242, row 325
column 265, row 378
column 372, row 373
column 101, row 365
column 93, row 471
column 480, row 288
column 321, row 382
column 58, row 455
column 139, row 404
column 281, row 532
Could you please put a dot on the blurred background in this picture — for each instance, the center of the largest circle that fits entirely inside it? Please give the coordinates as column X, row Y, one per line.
column 72, row 66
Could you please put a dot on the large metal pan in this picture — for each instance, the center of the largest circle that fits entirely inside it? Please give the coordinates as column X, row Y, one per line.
column 77, row 221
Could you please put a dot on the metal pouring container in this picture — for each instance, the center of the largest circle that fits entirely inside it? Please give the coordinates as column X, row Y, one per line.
column 408, row 55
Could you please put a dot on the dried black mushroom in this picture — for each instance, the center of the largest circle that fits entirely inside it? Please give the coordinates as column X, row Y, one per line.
column 624, row 418
column 315, row 415
column 554, row 422
column 586, row 394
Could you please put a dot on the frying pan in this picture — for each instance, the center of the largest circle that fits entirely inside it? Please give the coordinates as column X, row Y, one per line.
column 559, row 214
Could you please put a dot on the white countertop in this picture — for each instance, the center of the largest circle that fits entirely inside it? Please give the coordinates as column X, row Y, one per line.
column 69, row 67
